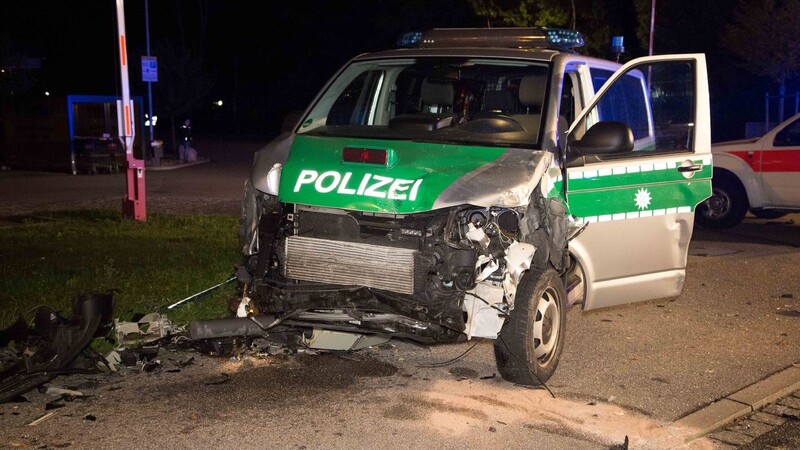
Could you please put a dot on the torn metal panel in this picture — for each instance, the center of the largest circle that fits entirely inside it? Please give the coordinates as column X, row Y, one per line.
column 260, row 192
column 547, row 227
column 276, row 152
column 508, row 181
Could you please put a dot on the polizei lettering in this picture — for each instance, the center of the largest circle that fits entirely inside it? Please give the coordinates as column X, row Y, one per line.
column 369, row 185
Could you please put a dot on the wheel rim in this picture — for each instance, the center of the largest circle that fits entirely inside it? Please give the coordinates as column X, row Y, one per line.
column 718, row 205
column 546, row 327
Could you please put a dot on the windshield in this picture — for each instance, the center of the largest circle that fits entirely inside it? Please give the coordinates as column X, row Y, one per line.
column 435, row 99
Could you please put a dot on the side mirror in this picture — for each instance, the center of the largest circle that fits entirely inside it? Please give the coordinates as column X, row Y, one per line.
column 604, row 138
column 290, row 121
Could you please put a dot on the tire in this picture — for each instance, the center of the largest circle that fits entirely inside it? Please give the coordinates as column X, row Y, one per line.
column 767, row 213
column 529, row 345
column 727, row 205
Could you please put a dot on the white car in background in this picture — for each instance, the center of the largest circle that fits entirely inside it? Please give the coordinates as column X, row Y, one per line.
column 761, row 175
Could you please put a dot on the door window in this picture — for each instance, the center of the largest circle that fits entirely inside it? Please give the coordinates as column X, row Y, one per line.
column 789, row 136
column 656, row 101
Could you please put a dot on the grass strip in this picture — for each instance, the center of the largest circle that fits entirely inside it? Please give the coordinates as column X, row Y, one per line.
column 49, row 258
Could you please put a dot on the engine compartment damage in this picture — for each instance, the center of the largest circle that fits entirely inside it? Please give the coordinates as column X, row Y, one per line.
column 443, row 275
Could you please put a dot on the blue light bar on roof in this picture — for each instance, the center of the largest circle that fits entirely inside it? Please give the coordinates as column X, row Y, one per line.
column 562, row 37
column 409, row 39
column 493, row 37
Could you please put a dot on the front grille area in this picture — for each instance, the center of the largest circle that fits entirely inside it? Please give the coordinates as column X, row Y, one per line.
column 349, row 263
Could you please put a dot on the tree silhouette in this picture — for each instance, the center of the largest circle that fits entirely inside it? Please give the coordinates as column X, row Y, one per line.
column 522, row 13
column 17, row 76
column 764, row 36
column 590, row 18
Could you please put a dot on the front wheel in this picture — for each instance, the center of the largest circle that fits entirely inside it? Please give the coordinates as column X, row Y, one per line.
column 727, row 205
column 529, row 345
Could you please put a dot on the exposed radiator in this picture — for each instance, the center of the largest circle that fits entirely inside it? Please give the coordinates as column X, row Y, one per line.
column 348, row 263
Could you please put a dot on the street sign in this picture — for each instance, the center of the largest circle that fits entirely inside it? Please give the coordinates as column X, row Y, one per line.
column 149, row 69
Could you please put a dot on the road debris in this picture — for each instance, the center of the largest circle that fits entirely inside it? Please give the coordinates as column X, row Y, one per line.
column 70, row 394
column 149, row 328
column 42, row 419
column 54, row 404
column 53, row 344
column 201, row 293
column 151, row 366
column 222, row 379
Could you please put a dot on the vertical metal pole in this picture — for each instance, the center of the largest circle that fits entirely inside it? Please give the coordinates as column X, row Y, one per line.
column 573, row 15
column 766, row 116
column 133, row 205
column 149, row 83
column 652, row 26
column 71, row 122
column 796, row 102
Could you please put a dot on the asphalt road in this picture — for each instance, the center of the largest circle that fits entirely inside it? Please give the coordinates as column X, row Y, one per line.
column 625, row 371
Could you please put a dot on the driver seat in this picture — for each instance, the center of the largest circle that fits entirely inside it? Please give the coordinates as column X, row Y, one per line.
column 531, row 97
column 437, row 108
column 437, row 96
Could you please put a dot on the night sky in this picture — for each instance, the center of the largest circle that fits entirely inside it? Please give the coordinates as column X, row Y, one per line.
column 264, row 62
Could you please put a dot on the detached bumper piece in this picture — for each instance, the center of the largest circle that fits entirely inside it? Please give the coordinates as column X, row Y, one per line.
column 53, row 345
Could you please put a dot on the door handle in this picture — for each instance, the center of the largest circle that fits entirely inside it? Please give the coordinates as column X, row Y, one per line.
column 690, row 168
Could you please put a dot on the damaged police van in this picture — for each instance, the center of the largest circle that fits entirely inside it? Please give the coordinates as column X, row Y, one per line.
column 474, row 184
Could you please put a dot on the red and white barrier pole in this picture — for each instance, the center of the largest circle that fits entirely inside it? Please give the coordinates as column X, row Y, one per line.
column 133, row 205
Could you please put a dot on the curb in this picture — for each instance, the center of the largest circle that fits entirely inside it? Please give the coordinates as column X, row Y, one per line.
column 179, row 166
column 740, row 403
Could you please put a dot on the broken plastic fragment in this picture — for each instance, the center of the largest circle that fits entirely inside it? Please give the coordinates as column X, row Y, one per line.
column 57, row 391
column 483, row 305
column 41, row 419
column 149, row 328
column 518, row 260
column 478, row 236
column 224, row 378
column 55, row 404
column 151, row 366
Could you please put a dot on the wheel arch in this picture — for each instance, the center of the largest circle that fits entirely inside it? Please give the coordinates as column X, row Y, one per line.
column 735, row 167
column 582, row 266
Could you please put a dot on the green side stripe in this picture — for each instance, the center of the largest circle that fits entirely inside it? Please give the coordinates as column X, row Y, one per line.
column 638, row 198
column 635, row 190
column 632, row 175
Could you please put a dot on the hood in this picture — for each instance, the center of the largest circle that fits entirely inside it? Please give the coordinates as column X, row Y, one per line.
column 720, row 146
column 415, row 177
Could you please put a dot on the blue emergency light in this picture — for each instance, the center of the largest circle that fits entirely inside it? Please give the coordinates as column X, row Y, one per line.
column 565, row 38
column 561, row 38
column 617, row 44
column 409, row 39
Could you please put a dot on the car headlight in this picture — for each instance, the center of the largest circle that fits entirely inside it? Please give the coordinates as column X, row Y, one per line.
column 274, row 179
